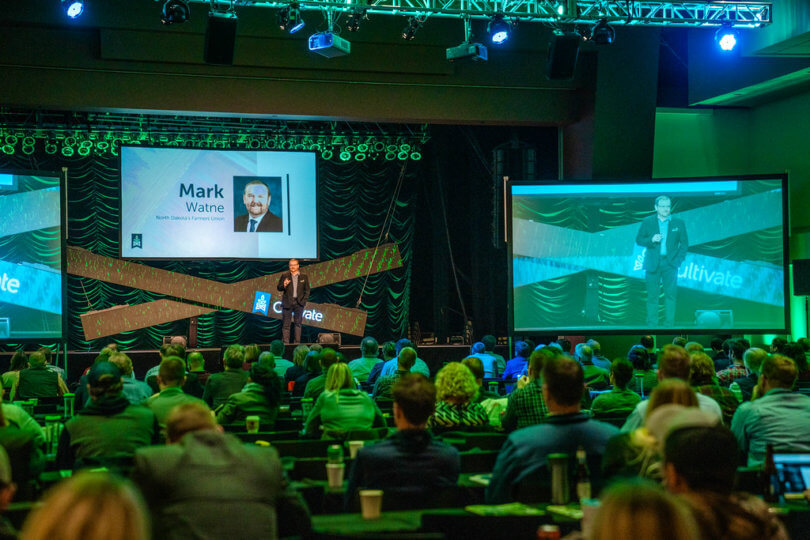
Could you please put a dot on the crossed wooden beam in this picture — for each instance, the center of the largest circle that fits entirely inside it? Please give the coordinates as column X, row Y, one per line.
column 237, row 296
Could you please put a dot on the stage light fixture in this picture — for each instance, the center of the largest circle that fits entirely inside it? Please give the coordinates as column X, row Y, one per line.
column 560, row 8
column 410, row 30
column 357, row 15
column 175, row 11
column 726, row 37
column 289, row 18
column 73, row 8
column 602, row 33
column 498, row 29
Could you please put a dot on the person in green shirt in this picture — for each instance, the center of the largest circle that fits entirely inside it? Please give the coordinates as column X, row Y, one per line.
column 170, row 379
column 620, row 399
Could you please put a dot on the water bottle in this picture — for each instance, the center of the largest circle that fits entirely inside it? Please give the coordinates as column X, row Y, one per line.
column 334, row 454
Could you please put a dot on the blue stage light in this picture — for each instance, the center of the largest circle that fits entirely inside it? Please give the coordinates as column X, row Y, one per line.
column 726, row 38
column 73, row 8
column 498, row 29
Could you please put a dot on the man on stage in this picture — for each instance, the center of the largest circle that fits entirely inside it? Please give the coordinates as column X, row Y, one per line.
column 294, row 287
column 666, row 242
column 258, row 219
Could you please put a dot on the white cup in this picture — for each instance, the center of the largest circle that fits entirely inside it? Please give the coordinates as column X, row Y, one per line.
column 334, row 474
column 371, row 503
column 252, row 424
column 354, row 447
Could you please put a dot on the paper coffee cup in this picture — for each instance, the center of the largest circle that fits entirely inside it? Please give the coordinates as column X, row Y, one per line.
column 354, row 447
column 334, row 474
column 371, row 503
column 252, row 424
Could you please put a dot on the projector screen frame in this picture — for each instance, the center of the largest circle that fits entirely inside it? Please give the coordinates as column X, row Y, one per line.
column 246, row 259
column 643, row 328
column 63, row 234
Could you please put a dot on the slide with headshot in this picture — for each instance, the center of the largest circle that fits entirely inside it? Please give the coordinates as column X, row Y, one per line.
column 211, row 204
column 657, row 255
column 31, row 257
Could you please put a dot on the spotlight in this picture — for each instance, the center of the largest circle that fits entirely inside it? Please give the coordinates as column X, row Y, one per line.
column 414, row 24
column 175, row 11
column 73, row 8
column 726, row 37
column 560, row 8
column 359, row 14
column 602, row 33
column 289, row 19
column 498, row 29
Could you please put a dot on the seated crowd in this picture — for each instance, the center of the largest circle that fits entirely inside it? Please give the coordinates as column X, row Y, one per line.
column 663, row 432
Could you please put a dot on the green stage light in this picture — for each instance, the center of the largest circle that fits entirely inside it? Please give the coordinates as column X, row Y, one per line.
column 326, row 154
column 29, row 141
column 27, row 150
column 345, row 156
column 416, row 156
column 8, row 149
column 360, row 156
column 67, row 151
column 102, row 146
column 84, row 151
column 402, row 156
column 390, row 156
column 391, row 148
column 404, row 147
column 50, row 148
column 379, row 146
column 362, row 147
column 351, row 148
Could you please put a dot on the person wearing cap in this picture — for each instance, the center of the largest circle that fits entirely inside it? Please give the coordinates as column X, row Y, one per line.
column 206, row 484
column 170, row 379
column 109, row 429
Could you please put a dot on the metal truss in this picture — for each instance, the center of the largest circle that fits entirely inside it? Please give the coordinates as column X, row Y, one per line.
column 747, row 14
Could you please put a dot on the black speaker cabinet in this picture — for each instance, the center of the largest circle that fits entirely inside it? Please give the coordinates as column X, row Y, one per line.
column 220, row 38
column 801, row 277
column 563, row 52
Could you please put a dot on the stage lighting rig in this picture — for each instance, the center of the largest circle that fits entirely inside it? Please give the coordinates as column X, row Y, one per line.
column 475, row 51
column 499, row 28
column 602, row 33
column 289, row 18
column 726, row 37
column 73, row 8
column 357, row 15
column 413, row 26
column 328, row 43
column 175, row 11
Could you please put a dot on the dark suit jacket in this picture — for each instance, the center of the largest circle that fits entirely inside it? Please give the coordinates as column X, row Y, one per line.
column 287, row 299
column 269, row 223
column 677, row 243
column 210, row 485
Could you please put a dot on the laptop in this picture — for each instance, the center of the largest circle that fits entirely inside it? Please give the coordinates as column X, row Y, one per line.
column 794, row 472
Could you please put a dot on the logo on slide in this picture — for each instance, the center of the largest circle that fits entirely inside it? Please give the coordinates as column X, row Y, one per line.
column 260, row 302
column 137, row 241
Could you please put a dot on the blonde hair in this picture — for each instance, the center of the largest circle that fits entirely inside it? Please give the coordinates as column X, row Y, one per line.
column 123, row 362
column 672, row 391
column 339, row 377
column 299, row 355
column 455, row 381
column 637, row 509
column 90, row 506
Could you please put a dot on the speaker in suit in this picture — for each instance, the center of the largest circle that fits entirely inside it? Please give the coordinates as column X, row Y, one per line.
column 269, row 223
column 294, row 297
column 667, row 243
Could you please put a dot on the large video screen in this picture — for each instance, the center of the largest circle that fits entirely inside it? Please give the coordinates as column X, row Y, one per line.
column 31, row 257
column 218, row 204
column 661, row 255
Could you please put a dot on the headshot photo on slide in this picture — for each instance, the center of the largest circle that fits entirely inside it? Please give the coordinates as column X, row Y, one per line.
column 257, row 204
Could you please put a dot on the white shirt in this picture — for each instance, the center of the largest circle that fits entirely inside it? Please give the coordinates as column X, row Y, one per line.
column 636, row 418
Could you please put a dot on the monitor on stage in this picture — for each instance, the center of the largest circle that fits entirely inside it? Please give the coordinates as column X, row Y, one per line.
column 666, row 255
column 32, row 262
column 183, row 203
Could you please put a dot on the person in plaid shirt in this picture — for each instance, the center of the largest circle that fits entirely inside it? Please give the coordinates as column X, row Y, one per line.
column 701, row 377
column 736, row 370
column 526, row 405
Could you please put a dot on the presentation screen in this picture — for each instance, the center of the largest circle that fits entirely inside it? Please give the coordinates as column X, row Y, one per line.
column 660, row 255
column 32, row 286
column 179, row 203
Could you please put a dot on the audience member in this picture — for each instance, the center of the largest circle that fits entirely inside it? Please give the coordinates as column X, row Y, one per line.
column 780, row 417
column 410, row 462
column 476, row 367
column 19, row 361
column 518, row 366
column 648, row 342
column 673, row 363
column 342, row 408
column 489, row 342
column 38, row 381
column 523, row 457
column 736, row 369
column 526, row 406
column 405, row 361
column 312, row 366
column 90, row 506
column 490, row 363
column 175, row 348
column 207, row 484
column 221, row 385
column 702, row 378
column 795, row 352
column 644, row 376
column 620, row 399
column 8, row 489
column 134, row 390
column 298, row 368
column 196, row 367
column 699, row 466
column 170, row 380
column 716, row 345
column 369, row 349
column 595, row 378
column 260, row 397
column 277, row 348
column 315, row 386
column 679, row 341
column 752, row 359
column 23, row 452
column 109, row 429
column 390, row 366
column 641, row 509
column 456, row 409
column 564, row 344
column 81, row 396
column 49, row 362
column 778, row 345
column 597, row 358
column 693, row 347
column 252, row 353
